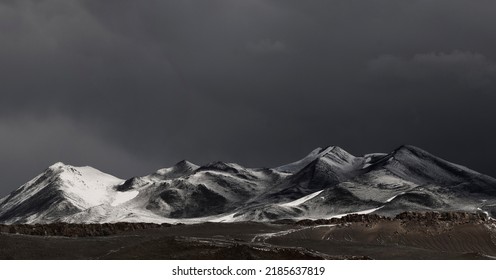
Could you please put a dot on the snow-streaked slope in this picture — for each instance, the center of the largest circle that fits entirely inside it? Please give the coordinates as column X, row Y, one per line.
column 418, row 166
column 333, row 156
column 326, row 183
column 302, row 200
column 123, row 197
column 340, row 159
column 87, row 187
column 389, row 183
column 210, row 190
column 298, row 165
column 368, row 211
column 332, row 166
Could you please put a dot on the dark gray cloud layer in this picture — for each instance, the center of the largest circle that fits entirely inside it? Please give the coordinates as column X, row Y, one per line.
column 131, row 86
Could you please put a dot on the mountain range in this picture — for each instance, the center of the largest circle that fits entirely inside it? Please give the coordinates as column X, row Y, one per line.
column 328, row 182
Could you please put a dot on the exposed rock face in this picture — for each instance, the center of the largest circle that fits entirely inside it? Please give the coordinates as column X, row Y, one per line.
column 461, row 217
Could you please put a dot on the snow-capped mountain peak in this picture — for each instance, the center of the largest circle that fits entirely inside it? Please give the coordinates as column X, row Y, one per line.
column 331, row 155
column 298, row 165
column 60, row 188
column 338, row 157
column 57, row 165
column 181, row 168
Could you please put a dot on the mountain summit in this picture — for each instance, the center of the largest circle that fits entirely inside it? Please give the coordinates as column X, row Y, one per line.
column 328, row 182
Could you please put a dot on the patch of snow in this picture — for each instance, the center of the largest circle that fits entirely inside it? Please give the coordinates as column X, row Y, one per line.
column 121, row 197
column 368, row 158
column 364, row 212
column 390, row 199
column 164, row 171
column 301, row 200
column 485, row 212
column 263, row 237
column 225, row 219
column 321, row 226
column 109, row 214
column 87, row 187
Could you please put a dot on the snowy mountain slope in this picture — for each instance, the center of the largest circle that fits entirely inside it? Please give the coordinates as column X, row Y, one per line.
column 416, row 165
column 326, row 183
column 209, row 190
column 331, row 166
column 59, row 190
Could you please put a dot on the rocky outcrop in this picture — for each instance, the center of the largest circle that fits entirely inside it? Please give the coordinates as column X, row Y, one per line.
column 462, row 217
column 419, row 217
column 77, row 230
column 88, row 230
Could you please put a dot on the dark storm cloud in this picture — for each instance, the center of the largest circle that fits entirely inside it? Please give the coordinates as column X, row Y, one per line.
column 257, row 82
column 267, row 46
column 464, row 70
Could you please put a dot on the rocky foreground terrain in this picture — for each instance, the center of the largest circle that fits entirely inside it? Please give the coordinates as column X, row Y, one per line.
column 408, row 235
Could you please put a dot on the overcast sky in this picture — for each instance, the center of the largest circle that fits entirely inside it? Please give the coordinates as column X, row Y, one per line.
column 132, row 86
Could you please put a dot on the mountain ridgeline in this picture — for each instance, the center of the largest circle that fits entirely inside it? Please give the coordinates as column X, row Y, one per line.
column 327, row 183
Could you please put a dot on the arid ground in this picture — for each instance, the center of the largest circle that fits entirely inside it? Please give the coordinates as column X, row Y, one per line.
column 407, row 236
